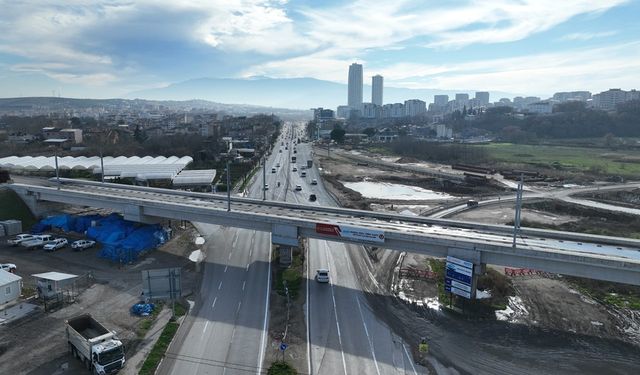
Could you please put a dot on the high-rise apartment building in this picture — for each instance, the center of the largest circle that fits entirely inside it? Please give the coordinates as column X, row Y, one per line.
column 376, row 89
column 607, row 100
column 414, row 107
column 441, row 100
column 354, row 99
column 483, row 97
column 462, row 98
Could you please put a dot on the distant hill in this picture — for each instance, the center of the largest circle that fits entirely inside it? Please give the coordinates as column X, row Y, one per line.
column 44, row 105
column 299, row 93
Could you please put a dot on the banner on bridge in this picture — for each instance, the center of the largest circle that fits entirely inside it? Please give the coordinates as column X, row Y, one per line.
column 351, row 233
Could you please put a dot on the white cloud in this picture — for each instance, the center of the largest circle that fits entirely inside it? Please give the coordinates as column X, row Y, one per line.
column 589, row 36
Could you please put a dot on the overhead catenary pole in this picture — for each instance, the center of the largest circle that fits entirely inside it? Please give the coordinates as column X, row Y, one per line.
column 516, row 221
column 228, row 185
column 264, row 178
column 57, row 171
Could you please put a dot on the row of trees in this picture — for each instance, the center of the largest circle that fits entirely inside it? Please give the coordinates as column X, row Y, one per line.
column 569, row 120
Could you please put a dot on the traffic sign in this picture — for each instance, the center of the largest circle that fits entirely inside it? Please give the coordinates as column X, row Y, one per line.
column 283, row 346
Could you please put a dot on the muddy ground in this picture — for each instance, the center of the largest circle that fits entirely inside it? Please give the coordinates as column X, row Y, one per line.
column 37, row 344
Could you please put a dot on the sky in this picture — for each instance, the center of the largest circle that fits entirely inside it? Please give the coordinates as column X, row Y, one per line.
column 108, row 48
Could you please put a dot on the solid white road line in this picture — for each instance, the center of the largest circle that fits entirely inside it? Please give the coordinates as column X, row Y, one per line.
column 205, row 326
column 410, row 359
column 335, row 311
column 308, row 260
column 366, row 331
column 266, row 313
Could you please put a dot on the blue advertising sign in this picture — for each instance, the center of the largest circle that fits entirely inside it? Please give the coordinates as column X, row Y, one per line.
column 463, row 277
column 459, row 277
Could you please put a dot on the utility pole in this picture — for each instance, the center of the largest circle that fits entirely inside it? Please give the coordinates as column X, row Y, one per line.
column 264, row 178
column 57, row 171
column 516, row 221
column 228, row 185
column 101, row 166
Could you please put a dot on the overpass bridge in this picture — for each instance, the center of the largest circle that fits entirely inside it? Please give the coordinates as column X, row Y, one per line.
column 591, row 256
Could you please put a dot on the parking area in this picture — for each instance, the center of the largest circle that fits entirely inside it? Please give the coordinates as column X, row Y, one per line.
column 107, row 290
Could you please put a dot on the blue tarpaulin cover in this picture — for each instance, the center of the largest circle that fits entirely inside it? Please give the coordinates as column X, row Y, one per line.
column 142, row 309
column 122, row 240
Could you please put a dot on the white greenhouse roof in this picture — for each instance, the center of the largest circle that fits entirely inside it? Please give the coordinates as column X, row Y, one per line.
column 195, row 177
column 143, row 168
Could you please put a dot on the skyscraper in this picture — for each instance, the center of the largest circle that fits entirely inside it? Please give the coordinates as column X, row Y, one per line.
column 376, row 89
column 355, row 86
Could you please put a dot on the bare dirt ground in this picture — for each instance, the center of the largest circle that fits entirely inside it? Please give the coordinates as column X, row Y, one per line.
column 552, row 329
column 37, row 344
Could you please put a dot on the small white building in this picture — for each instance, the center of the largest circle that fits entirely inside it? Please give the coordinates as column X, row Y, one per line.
column 10, row 287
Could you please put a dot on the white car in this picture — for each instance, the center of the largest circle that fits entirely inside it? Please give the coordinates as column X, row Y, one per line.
column 20, row 238
column 266, row 186
column 298, row 188
column 273, row 170
column 295, row 169
column 303, row 174
column 9, row 267
column 322, row 275
column 82, row 244
column 56, row 244
column 314, row 182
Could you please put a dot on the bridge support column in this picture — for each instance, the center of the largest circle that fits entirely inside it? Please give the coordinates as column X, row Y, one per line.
column 285, row 237
column 136, row 213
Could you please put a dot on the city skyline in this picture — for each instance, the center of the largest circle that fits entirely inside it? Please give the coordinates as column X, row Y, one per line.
column 108, row 49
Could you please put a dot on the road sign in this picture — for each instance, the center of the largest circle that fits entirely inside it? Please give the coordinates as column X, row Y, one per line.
column 162, row 283
column 283, row 346
column 459, row 277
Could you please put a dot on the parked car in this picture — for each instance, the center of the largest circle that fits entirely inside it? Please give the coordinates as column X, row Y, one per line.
column 82, row 244
column 314, row 182
column 9, row 267
column 38, row 240
column 322, row 275
column 19, row 238
column 56, row 244
column 298, row 188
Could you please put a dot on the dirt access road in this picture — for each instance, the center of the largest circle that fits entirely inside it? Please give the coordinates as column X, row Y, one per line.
column 37, row 344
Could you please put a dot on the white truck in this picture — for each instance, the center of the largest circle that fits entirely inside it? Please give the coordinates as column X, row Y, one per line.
column 97, row 347
column 38, row 240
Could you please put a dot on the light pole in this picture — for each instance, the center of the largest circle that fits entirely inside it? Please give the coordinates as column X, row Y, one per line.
column 516, row 221
column 228, row 185
column 57, row 171
column 101, row 166
column 264, row 178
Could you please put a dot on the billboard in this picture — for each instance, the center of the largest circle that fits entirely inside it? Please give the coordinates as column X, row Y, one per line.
column 161, row 283
column 459, row 277
column 351, row 233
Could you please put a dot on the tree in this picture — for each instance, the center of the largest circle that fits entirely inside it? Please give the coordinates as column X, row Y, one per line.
column 139, row 135
column 337, row 134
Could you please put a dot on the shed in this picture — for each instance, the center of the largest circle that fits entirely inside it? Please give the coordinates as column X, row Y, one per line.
column 54, row 284
column 10, row 287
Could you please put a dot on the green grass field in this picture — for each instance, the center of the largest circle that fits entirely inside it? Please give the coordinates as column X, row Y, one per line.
column 580, row 159
column 12, row 207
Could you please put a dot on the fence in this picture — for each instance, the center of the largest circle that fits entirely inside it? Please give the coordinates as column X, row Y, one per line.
column 413, row 273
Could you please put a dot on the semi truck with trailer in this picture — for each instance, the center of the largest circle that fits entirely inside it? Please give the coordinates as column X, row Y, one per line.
column 93, row 344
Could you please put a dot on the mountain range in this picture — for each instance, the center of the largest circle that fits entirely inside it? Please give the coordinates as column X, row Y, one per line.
column 294, row 93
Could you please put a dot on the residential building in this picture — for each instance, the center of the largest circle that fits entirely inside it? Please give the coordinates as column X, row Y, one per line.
column 343, row 111
column 354, row 99
column 322, row 114
column 371, row 111
column 441, row 100
column 542, row 107
column 444, row 131
column 386, row 135
column 462, row 98
column 483, row 97
column 376, row 90
column 394, row 110
column 607, row 100
column 414, row 107
column 581, row 96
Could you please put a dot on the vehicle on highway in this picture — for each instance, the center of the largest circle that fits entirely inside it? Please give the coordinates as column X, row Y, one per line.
column 314, row 182
column 295, row 151
column 313, row 197
column 322, row 275
column 278, row 183
column 295, row 169
column 303, row 174
column 298, row 188
column 19, row 238
column 293, row 159
column 82, row 244
column 278, row 165
column 9, row 267
column 273, row 170
column 266, row 186
column 302, row 167
column 93, row 344
column 38, row 240
column 56, row 244
column 309, row 163
column 472, row 203
column 280, row 151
